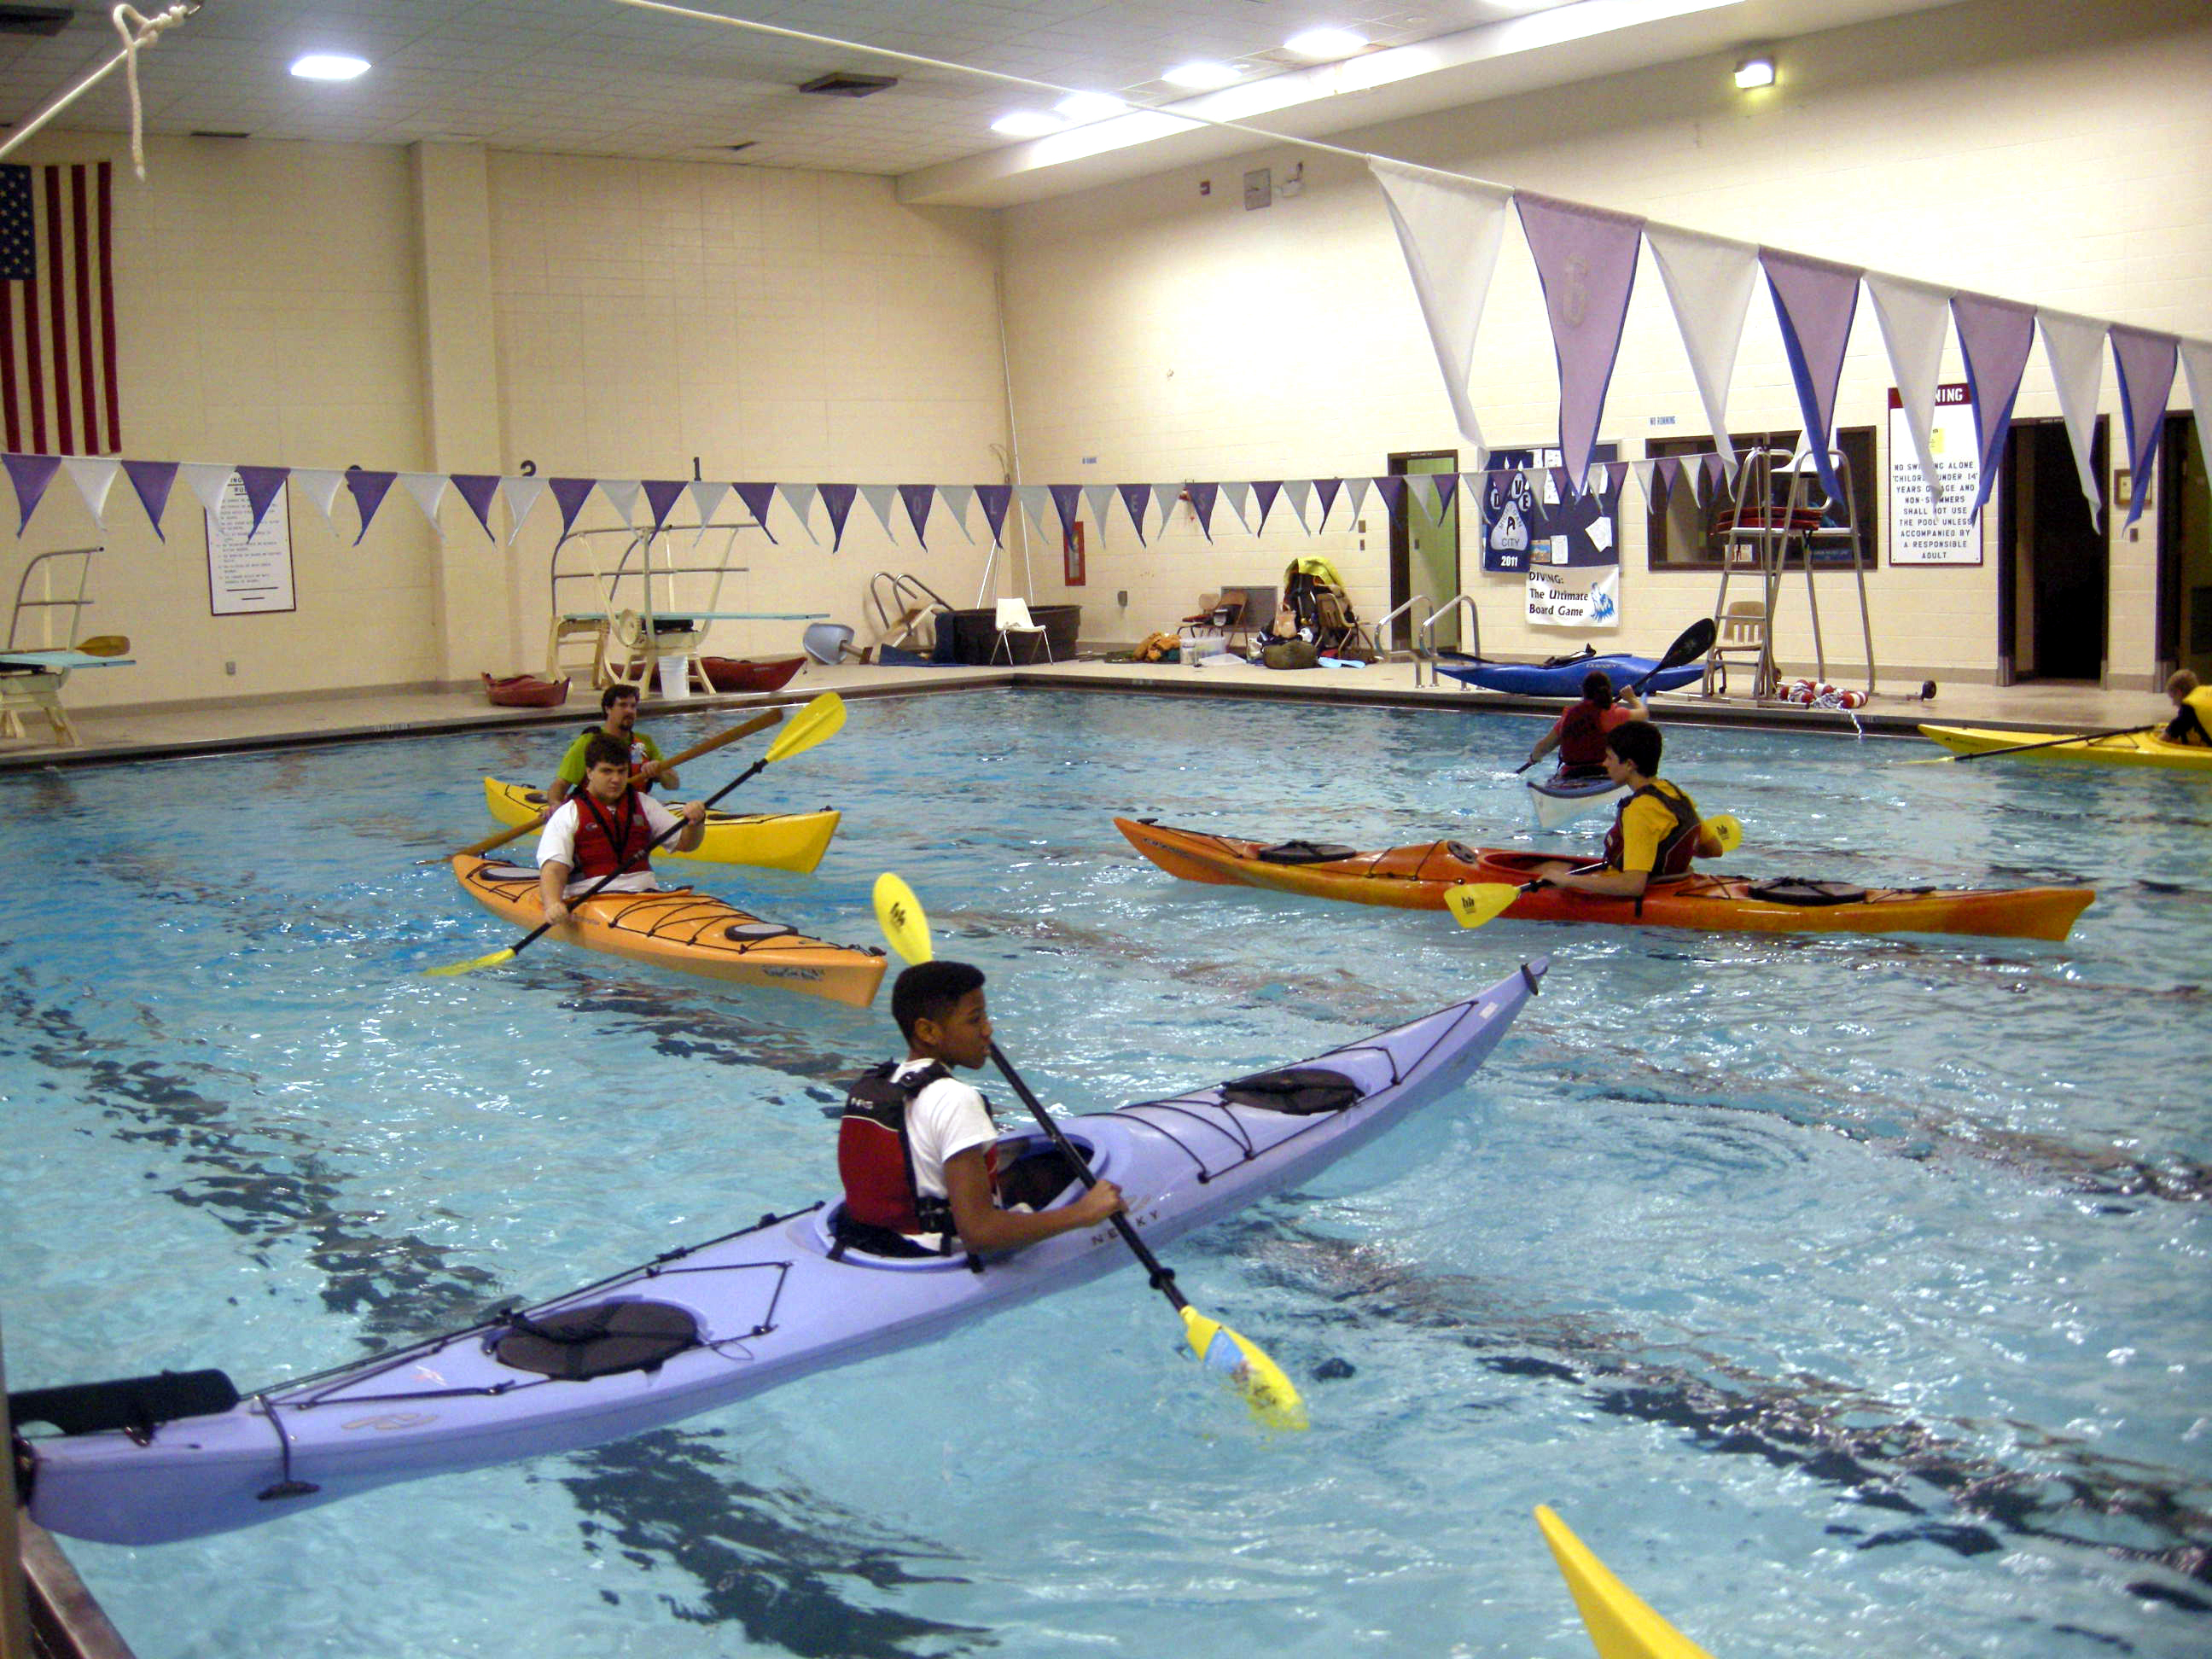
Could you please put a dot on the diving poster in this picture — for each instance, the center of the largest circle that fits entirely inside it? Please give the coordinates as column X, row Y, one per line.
column 1528, row 521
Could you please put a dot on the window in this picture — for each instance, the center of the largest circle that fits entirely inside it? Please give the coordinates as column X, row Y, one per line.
column 1683, row 535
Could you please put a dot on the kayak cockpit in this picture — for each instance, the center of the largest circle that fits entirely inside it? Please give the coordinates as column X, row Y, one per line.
column 1032, row 1172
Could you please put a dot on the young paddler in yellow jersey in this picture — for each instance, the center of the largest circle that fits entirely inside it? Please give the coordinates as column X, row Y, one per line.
column 2192, row 711
column 1656, row 831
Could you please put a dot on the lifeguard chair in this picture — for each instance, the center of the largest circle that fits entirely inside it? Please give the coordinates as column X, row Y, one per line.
column 1779, row 510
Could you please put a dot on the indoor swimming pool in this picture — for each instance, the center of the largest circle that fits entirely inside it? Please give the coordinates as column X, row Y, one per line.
column 1849, row 1295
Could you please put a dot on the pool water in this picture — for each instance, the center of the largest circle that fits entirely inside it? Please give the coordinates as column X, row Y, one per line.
column 1848, row 1295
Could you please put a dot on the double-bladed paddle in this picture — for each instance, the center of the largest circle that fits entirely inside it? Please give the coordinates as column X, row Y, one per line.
column 1258, row 1379
column 1691, row 644
column 759, row 722
column 820, row 720
column 1474, row 902
column 2047, row 743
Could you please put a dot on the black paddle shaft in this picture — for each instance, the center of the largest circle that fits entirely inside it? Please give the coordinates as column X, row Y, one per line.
column 675, row 829
column 1696, row 640
column 1162, row 1277
column 2055, row 742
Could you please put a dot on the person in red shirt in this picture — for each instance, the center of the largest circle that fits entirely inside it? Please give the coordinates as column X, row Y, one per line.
column 1579, row 734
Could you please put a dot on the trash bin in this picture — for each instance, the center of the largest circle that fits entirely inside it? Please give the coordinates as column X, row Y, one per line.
column 975, row 633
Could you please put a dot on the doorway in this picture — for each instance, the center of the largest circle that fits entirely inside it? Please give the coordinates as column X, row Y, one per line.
column 2184, row 553
column 2053, row 568
column 1424, row 550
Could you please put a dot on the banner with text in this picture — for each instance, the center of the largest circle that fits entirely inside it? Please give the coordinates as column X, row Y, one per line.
column 1925, row 527
column 1563, row 597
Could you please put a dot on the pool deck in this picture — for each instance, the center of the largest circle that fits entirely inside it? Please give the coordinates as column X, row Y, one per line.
column 181, row 729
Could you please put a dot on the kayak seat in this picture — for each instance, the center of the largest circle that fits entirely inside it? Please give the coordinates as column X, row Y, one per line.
column 752, row 933
column 1797, row 890
column 1304, row 851
column 1295, row 1091
column 604, row 1340
column 494, row 870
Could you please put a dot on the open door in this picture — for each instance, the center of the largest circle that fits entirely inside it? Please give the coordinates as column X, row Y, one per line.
column 2184, row 553
column 1424, row 550
column 2054, row 569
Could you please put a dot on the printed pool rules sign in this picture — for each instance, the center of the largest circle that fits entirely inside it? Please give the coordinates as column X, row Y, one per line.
column 249, row 572
column 1928, row 528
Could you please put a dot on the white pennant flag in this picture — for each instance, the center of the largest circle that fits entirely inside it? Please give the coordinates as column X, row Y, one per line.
column 707, row 497
column 2196, row 366
column 880, row 498
column 1239, row 497
column 1708, row 281
column 520, row 495
column 1355, row 493
column 955, row 499
column 799, row 498
column 1915, row 318
column 1298, row 492
column 93, row 477
column 1036, row 502
column 1164, row 497
column 209, row 480
column 2074, row 347
column 428, row 489
column 623, row 494
column 1449, row 229
column 1096, row 499
column 320, row 484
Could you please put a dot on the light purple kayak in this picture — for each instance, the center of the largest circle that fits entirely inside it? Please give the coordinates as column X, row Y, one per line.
column 770, row 1305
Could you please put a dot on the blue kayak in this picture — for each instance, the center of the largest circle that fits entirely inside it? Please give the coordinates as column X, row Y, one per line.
column 1530, row 680
column 699, row 1328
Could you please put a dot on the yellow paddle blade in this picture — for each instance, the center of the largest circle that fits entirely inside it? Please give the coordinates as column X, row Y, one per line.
column 104, row 644
column 1270, row 1395
column 1474, row 902
column 824, row 717
column 491, row 960
column 1724, row 829
column 1620, row 1626
column 900, row 914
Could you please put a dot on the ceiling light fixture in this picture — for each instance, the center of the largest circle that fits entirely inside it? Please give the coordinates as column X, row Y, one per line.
column 1089, row 106
column 329, row 66
column 1026, row 124
column 1204, row 75
column 1756, row 70
column 1319, row 44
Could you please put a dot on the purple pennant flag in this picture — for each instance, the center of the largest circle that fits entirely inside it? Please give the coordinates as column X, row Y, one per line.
column 31, row 474
column 1446, row 482
column 1391, row 487
column 919, row 499
column 1567, row 485
column 1264, row 491
column 758, row 498
column 1712, row 472
column 1994, row 336
column 368, row 488
column 1136, row 498
column 1814, row 301
column 996, row 499
column 569, row 495
column 1068, row 498
column 262, row 483
column 479, row 490
column 2146, row 363
column 1327, row 490
column 1202, row 498
column 1586, row 262
column 838, row 498
column 661, row 495
column 153, row 480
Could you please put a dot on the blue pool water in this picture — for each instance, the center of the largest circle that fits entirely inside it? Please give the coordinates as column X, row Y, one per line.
column 1849, row 1295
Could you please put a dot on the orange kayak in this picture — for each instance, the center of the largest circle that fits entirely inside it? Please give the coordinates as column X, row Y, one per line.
column 691, row 932
column 1417, row 877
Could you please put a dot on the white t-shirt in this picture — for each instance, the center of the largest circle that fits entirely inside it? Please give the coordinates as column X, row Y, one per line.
column 556, row 844
column 944, row 1120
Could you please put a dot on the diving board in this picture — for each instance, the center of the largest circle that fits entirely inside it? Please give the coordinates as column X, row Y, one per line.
column 31, row 683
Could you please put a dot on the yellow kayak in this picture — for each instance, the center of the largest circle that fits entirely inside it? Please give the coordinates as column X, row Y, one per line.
column 1620, row 1626
column 767, row 840
column 2125, row 748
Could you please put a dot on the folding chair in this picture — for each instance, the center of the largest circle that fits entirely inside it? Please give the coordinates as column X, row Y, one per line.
column 1742, row 636
column 1012, row 617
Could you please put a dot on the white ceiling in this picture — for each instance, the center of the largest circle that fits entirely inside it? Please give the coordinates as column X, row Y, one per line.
column 597, row 77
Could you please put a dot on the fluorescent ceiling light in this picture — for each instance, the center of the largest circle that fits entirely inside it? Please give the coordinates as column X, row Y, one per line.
column 1326, row 43
column 1026, row 124
column 1089, row 106
column 329, row 66
column 1755, row 71
column 1202, row 75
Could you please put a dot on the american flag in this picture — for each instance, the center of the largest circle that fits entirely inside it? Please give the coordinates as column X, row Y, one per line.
column 57, row 311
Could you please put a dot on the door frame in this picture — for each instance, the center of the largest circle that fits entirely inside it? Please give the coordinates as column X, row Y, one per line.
column 1401, row 537
column 2008, row 527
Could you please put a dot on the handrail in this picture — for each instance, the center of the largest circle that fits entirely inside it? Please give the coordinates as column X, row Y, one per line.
column 1428, row 633
column 904, row 585
column 75, row 606
column 1380, row 626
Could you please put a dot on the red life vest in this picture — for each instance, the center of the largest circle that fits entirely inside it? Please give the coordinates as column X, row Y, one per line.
column 1676, row 848
column 876, row 1161
column 1582, row 733
column 609, row 841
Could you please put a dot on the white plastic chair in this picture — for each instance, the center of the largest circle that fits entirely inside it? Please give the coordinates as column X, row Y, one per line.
column 1014, row 617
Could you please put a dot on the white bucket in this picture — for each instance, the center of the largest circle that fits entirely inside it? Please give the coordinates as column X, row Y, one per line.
column 675, row 680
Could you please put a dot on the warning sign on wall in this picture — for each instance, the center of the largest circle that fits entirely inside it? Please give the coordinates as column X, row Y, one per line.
column 1934, row 526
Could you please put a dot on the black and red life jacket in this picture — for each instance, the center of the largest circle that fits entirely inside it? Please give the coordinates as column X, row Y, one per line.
column 876, row 1161
column 609, row 841
column 1676, row 848
column 1582, row 733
